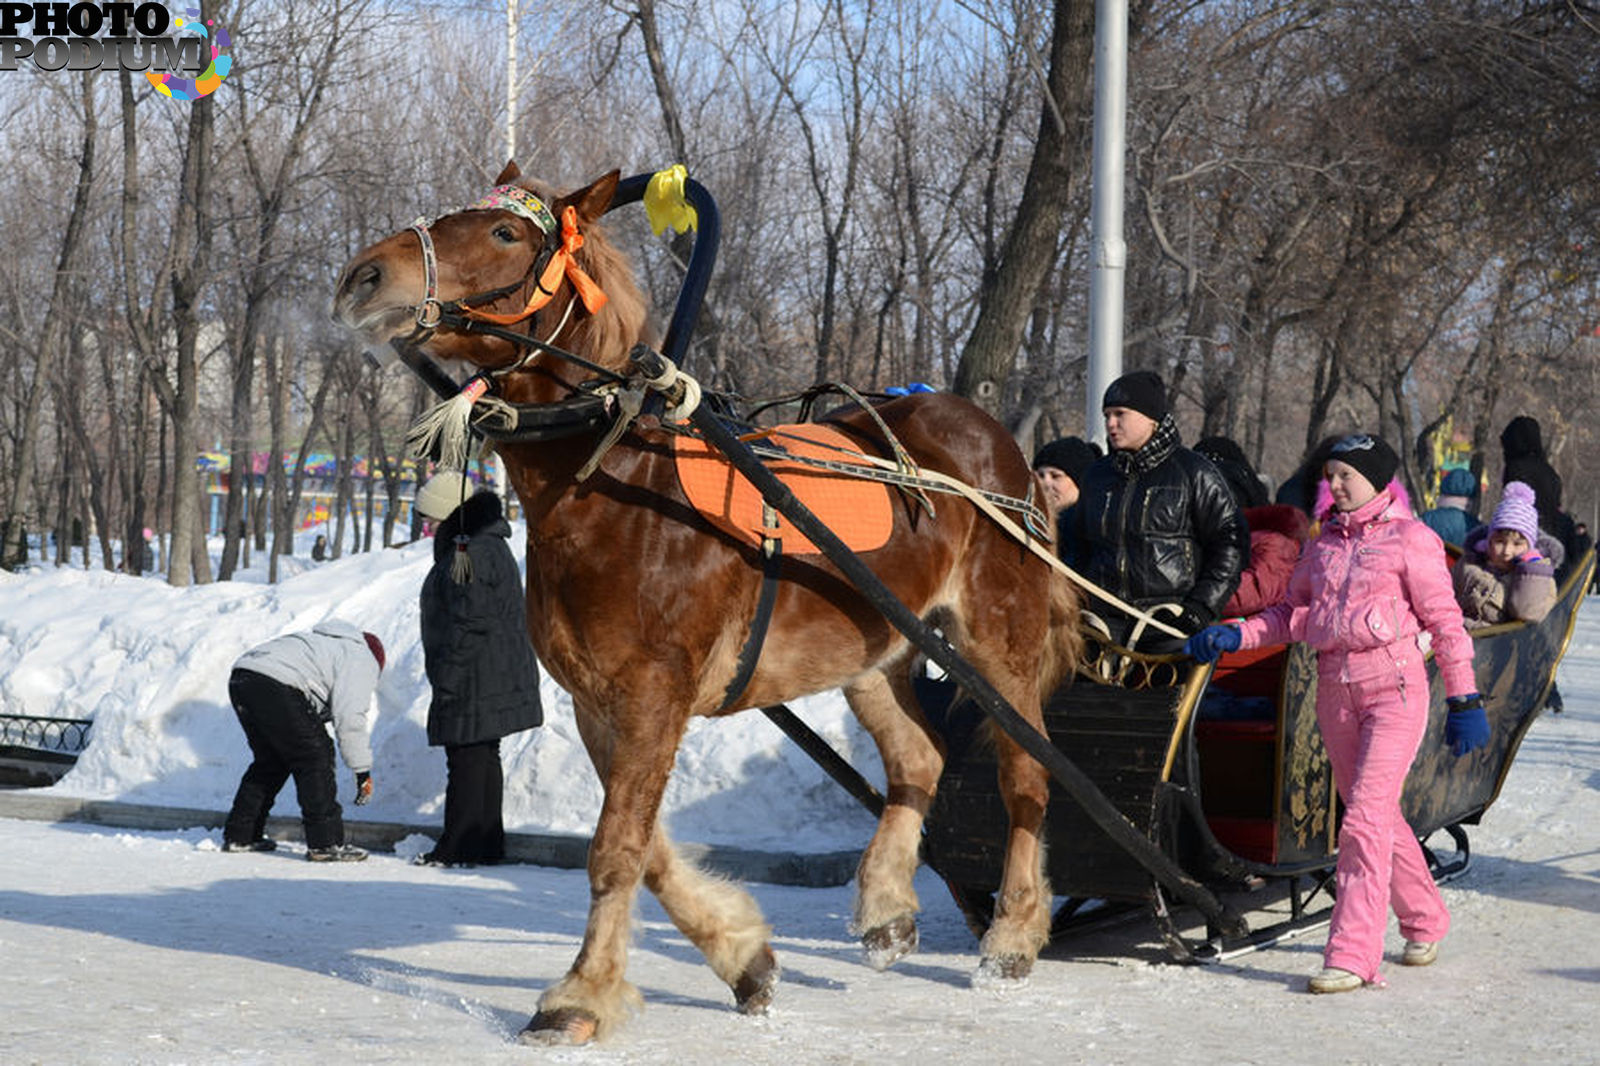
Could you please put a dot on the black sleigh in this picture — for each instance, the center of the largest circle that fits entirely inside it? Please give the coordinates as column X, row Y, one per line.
column 1223, row 769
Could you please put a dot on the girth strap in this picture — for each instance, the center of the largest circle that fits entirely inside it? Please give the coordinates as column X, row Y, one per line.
column 750, row 654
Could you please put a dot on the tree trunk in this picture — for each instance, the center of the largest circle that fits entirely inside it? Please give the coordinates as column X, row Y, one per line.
column 1007, row 297
column 191, row 239
column 13, row 546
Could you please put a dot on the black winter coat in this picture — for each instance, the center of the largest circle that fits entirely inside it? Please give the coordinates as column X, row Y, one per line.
column 1166, row 532
column 1523, row 444
column 474, row 635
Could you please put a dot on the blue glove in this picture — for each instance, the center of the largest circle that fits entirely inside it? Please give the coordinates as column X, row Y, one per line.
column 1466, row 726
column 1209, row 644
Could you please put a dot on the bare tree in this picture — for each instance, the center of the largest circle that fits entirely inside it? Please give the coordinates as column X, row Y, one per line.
column 53, row 334
column 1007, row 294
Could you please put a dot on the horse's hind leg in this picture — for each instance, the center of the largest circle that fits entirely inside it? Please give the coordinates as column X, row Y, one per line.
column 720, row 918
column 886, row 901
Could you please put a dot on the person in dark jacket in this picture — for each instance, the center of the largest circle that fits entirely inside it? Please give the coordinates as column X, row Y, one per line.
column 286, row 692
column 1581, row 543
column 1523, row 446
column 484, row 675
column 1059, row 467
column 1299, row 489
column 1155, row 522
column 1234, row 466
column 1451, row 516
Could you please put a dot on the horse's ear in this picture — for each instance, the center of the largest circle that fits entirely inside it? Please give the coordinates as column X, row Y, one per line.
column 510, row 174
column 593, row 199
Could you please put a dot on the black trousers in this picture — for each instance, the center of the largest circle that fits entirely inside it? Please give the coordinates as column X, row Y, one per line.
column 474, row 831
column 287, row 738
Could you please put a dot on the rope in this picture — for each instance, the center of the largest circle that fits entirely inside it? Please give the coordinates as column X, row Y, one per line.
column 985, row 502
column 979, row 500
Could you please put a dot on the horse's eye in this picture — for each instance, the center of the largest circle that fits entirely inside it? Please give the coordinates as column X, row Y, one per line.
column 504, row 232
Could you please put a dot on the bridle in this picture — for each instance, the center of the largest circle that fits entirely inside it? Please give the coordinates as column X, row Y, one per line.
column 555, row 261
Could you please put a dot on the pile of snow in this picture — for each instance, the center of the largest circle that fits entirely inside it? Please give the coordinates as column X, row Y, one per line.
column 149, row 665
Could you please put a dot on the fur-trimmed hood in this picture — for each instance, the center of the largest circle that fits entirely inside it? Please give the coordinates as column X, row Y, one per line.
column 1397, row 493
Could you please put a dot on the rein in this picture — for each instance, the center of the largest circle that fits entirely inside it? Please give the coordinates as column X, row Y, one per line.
column 619, row 399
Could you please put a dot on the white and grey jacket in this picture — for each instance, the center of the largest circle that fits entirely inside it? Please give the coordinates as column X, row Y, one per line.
column 333, row 666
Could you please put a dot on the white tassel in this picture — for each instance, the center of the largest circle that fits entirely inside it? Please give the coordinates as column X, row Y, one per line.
column 447, row 425
column 461, row 565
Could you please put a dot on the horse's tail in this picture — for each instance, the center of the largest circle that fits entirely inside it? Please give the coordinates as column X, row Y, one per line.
column 1063, row 642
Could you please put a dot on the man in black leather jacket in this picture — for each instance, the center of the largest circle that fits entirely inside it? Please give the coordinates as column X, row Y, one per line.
column 1155, row 522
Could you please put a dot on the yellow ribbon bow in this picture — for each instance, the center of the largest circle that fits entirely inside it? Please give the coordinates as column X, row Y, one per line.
column 664, row 202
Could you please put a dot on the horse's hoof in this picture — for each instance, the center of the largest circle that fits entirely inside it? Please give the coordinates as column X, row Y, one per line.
column 563, row 1026
column 890, row 942
column 1001, row 972
column 756, row 987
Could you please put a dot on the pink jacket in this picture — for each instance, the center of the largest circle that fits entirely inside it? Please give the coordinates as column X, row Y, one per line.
column 1373, row 578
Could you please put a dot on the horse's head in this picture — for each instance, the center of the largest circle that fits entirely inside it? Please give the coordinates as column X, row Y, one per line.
column 520, row 259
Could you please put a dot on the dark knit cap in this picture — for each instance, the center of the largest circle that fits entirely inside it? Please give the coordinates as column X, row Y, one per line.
column 1374, row 459
column 1458, row 482
column 1138, row 390
column 1221, row 450
column 1070, row 455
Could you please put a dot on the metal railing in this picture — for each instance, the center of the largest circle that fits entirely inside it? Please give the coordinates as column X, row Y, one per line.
column 66, row 735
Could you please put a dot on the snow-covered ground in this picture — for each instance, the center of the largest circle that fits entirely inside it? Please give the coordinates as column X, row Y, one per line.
column 133, row 947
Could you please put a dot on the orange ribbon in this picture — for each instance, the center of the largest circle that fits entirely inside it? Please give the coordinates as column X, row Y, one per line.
column 563, row 263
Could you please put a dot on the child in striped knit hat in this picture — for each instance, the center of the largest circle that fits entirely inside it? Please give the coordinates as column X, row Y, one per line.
column 1507, row 572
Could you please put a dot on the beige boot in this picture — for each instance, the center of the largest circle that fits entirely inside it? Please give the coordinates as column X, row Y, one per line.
column 1419, row 953
column 1332, row 979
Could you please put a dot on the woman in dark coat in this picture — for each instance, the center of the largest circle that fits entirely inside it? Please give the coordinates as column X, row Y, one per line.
column 482, row 668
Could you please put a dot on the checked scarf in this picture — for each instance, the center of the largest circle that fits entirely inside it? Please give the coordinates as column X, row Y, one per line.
column 1162, row 443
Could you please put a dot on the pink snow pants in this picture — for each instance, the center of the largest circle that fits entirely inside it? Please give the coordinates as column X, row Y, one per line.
column 1372, row 708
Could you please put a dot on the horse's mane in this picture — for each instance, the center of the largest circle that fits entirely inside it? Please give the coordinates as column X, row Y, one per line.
column 624, row 320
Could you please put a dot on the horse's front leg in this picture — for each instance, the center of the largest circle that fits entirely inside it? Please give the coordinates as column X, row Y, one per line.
column 594, row 997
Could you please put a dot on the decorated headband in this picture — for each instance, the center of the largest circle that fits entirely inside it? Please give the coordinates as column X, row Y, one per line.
column 518, row 201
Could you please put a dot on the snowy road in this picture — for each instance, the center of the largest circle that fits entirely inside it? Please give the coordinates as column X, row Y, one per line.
column 156, row 948
column 127, row 947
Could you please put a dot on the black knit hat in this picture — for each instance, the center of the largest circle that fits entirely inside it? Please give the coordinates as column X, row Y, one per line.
column 1069, row 455
column 1375, row 460
column 1138, row 390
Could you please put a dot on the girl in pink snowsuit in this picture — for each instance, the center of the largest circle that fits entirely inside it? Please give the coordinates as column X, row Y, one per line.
column 1363, row 591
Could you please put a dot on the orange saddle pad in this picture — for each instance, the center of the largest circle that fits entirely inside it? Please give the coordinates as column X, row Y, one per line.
column 857, row 511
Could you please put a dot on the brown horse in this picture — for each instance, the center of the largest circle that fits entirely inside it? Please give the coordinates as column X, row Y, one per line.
column 639, row 608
